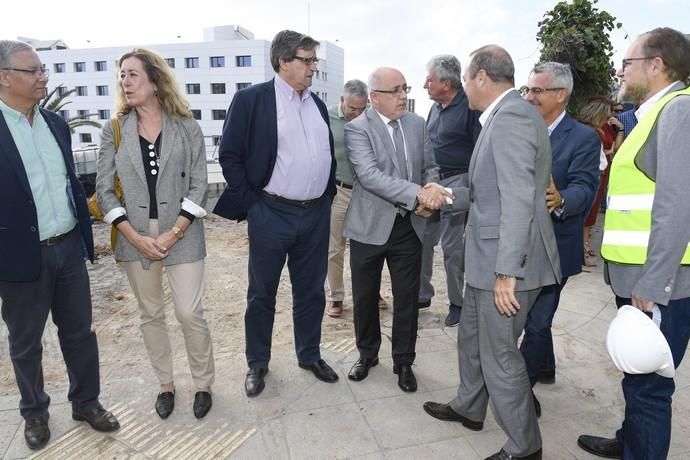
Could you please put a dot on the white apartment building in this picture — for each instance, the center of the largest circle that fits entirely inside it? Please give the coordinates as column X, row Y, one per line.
column 209, row 73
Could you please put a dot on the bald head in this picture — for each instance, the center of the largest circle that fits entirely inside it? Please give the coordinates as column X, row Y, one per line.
column 388, row 92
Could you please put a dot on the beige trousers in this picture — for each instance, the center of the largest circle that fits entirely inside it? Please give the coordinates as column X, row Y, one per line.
column 186, row 283
column 336, row 245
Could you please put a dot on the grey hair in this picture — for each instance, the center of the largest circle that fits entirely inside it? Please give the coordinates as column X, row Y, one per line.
column 356, row 88
column 285, row 45
column 495, row 61
column 561, row 75
column 8, row 48
column 447, row 68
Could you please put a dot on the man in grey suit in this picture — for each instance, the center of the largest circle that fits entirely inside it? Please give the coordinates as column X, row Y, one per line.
column 651, row 172
column 510, row 255
column 391, row 154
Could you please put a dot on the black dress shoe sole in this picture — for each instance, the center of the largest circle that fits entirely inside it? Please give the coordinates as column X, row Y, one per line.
column 374, row 363
column 467, row 423
column 318, row 375
column 598, row 453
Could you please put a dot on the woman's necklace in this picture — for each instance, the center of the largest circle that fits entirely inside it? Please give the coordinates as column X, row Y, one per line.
column 154, row 155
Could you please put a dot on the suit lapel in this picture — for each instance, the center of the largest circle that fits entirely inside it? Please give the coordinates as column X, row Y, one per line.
column 130, row 144
column 412, row 141
column 381, row 131
column 560, row 134
column 169, row 138
column 11, row 152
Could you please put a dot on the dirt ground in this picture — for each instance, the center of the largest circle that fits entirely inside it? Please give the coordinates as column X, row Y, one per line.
column 116, row 316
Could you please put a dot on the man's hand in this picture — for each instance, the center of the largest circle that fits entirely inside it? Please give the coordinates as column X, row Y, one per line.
column 641, row 303
column 504, row 296
column 433, row 196
column 424, row 212
column 553, row 196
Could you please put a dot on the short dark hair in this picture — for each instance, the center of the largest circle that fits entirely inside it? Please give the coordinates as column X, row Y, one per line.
column 495, row 61
column 285, row 45
column 672, row 47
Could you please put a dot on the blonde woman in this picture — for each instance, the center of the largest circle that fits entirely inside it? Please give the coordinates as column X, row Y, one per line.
column 161, row 163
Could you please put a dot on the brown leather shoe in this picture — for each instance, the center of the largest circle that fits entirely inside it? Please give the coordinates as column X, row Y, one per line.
column 335, row 309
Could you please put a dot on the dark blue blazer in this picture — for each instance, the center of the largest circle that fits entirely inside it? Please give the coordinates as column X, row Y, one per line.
column 20, row 249
column 249, row 146
column 575, row 169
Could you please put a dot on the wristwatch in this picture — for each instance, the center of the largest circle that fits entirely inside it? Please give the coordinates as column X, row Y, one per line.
column 502, row 276
column 178, row 232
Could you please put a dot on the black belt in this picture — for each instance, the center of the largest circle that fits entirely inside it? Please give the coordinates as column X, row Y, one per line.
column 53, row 240
column 304, row 204
column 446, row 173
column 342, row 184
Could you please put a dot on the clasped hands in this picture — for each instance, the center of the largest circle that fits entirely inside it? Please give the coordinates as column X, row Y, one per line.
column 553, row 196
column 432, row 197
column 157, row 248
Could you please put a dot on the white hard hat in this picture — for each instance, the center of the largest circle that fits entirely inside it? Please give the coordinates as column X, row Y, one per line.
column 637, row 346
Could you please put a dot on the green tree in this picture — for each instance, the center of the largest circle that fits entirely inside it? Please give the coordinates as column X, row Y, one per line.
column 54, row 101
column 577, row 34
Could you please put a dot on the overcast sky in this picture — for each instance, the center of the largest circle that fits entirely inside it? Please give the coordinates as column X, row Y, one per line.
column 401, row 34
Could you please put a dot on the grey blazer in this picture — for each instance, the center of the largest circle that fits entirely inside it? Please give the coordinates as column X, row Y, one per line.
column 509, row 229
column 662, row 278
column 379, row 189
column 182, row 174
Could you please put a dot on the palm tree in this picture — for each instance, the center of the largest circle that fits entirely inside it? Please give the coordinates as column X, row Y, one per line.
column 54, row 102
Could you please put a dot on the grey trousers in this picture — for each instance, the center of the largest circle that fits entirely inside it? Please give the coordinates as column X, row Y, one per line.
column 491, row 367
column 450, row 230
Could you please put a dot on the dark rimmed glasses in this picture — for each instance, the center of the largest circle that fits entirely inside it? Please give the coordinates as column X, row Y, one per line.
column 35, row 72
column 307, row 60
column 627, row 61
column 537, row 91
column 397, row 90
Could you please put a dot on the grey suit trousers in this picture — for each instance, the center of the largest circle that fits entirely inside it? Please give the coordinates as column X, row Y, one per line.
column 491, row 366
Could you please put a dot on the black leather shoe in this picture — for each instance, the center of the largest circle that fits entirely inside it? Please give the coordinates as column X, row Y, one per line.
column 406, row 379
column 446, row 413
column 321, row 370
column 99, row 418
column 422, row 304
column 503, row 455
column 165, row 403
column 202, row 403
column 36, row 432
column 547, row 377
column 537, row 405
column 254, row 382
column 360, row 369
column 601, row 447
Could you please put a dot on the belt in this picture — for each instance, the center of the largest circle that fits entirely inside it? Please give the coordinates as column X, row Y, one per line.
column 304, row 204
column 342, row 184
column 446, row 173
column 53, row 240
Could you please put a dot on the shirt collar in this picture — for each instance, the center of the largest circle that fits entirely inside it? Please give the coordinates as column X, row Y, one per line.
column 283, row 86
column 341, row 115
column 552, row 127
column 485, row 115
column 385, row 119
column 644, row 108
column 13, row 114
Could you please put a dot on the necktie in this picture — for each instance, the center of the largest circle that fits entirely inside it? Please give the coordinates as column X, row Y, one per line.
column 399, row 147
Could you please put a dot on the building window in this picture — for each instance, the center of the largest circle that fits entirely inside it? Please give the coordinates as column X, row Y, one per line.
column 83, row 114
column 80, row 66
column 191, row 63
column 215, row 140
column 193, row 88
column 64, row 114
column 59, row 67
column 81, row 90
column 196, row 114
column 218, row 114
column 100, row 66
column 217, row 61
column 85, row 138
column 243, row 85
column 217, row 88
column 62, row 90
column 324, row 76
column 243, row 61
column 318, row 74
column 104, row 114
column 171, row 62
column 102, row 90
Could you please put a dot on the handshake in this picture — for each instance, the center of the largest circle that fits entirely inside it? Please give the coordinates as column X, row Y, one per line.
column 432, row 197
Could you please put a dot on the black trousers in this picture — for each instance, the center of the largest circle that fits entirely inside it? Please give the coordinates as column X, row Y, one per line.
column 403, row 254
column 63, row 290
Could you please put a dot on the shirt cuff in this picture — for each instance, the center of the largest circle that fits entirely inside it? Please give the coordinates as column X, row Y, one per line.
column 193, row 208
column 114, row 214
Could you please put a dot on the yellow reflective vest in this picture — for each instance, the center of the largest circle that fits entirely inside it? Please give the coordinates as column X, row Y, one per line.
column 628, row 221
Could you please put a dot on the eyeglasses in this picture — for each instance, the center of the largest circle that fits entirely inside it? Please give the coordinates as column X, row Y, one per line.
column 397, row 90
column 627, row 61
column 307, row 60
column 525, row 90
column 35, row 72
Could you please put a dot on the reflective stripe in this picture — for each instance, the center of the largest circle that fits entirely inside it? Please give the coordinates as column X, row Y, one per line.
column 627, row 238
column 630, row 202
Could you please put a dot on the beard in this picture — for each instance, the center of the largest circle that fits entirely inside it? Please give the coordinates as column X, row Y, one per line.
column 635, row 93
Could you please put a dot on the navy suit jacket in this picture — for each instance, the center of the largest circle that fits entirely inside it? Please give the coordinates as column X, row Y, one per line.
column 20, row 249
column 575, row 169
column 249, row 146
